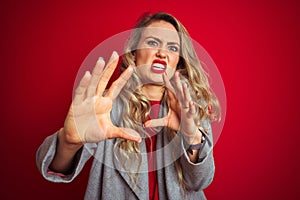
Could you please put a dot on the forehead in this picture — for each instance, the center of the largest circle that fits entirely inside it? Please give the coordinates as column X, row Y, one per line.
column 162, row 30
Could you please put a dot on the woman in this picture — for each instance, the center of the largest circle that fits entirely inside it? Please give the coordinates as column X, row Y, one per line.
column 149, row 132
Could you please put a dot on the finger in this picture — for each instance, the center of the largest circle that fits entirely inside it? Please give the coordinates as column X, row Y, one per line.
column 168, row 83
column 186, row 96
column 170, row 90
column 82, row 87
column 117, row 85
column 126, row 133
column 171, row 95
column 107, row 73
column 192, row 109
column 178, row 86
column 96, row 73
column 156, row 122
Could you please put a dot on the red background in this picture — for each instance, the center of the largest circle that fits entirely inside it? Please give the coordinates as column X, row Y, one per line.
column 254, row 44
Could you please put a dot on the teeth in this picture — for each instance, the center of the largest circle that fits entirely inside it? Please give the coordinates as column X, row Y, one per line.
column 158, row 66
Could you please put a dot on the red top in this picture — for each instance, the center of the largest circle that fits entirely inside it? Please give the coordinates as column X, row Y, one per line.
column 151, row 147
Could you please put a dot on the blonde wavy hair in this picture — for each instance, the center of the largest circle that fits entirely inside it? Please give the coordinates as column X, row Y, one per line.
column 136, row 107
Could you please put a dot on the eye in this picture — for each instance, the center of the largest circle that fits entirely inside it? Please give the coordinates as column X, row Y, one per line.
column 173, row 48
column 152, row 43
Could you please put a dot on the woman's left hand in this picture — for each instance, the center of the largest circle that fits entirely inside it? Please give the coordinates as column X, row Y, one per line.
column 181, row 111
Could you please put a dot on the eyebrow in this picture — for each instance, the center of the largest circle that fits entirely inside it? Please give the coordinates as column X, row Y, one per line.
column 156, row 38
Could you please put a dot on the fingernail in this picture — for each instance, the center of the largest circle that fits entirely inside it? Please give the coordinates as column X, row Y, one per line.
column 87, row 73
column 100, row 59
column 115, row 54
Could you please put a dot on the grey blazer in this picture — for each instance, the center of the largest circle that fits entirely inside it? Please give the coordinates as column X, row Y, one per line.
column 108, row 180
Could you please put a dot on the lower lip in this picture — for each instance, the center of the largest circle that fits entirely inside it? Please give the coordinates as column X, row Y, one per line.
column 157, row 70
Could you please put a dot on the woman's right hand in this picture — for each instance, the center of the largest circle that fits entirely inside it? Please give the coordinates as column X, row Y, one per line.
column 88, row 119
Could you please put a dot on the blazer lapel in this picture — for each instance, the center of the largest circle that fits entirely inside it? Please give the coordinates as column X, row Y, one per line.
column 141, row 189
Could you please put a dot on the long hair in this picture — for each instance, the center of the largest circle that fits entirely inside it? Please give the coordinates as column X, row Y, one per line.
column 136, row 107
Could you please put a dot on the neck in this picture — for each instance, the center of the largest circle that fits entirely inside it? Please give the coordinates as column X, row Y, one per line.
column 153, row 92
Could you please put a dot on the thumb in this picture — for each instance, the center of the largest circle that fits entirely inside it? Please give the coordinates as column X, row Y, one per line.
column 155, row 122
column 128, row 134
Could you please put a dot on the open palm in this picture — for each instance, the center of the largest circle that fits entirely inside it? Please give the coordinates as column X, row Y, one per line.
column 88, row 119
column 181, row 112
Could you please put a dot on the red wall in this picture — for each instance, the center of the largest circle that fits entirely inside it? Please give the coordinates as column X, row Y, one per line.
column 255, row 46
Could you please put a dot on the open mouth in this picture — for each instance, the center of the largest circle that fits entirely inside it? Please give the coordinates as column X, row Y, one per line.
column 158, row 66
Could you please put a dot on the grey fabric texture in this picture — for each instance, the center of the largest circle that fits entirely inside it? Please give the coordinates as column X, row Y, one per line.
column 108, row 179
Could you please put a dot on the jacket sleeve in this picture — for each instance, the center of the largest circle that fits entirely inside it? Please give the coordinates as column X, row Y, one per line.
column 45, row 155
column 199, row 175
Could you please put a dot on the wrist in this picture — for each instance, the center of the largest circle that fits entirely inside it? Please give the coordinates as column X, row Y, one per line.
column 63, row 141
column 194, row 144
column 194, row 139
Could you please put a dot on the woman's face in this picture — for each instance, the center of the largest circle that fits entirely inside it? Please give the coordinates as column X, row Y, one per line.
column 157, row 52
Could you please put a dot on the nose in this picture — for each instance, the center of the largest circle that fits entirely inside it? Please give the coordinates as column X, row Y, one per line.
column 161, row 53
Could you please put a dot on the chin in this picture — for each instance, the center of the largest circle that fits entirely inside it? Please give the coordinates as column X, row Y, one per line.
column 158, row 81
